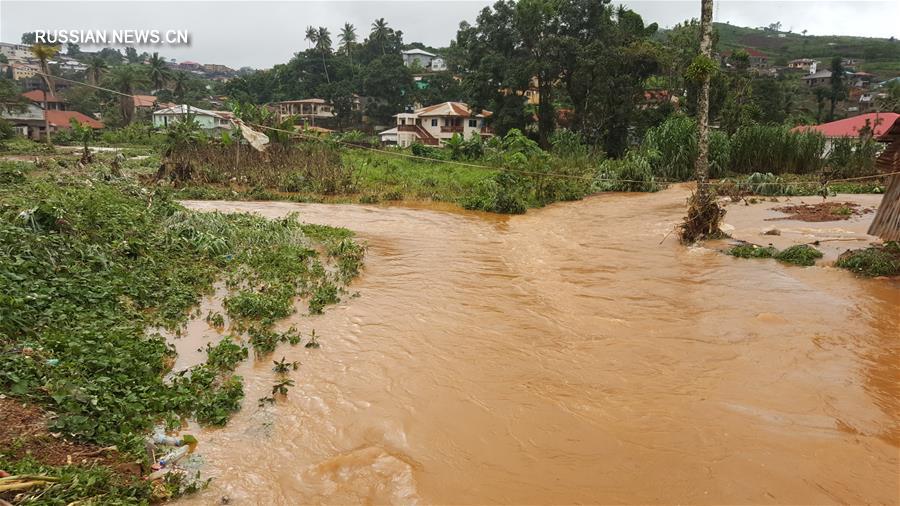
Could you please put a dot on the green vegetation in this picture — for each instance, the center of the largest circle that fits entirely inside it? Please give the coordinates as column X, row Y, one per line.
column 90, row 265
column 752, row 251
column 883, row 260
column 800, row 254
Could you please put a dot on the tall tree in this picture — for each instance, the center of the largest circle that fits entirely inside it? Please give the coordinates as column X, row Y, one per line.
column 43, row 53
column 380, row 33
column 96, row 66
column 158, row 71
column 704, row 213
column 179, row 86
column 126, row 79
column 348, row 38
column 311, row 35
column 838, row 85
column 323, row 45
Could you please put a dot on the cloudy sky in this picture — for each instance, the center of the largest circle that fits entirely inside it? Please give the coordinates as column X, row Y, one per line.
column 260, row 34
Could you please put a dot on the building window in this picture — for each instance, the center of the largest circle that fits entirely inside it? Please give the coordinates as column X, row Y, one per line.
column 434, row 122
column 473, row 123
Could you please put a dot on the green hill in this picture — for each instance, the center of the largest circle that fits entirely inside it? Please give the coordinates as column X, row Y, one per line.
column 879, row 56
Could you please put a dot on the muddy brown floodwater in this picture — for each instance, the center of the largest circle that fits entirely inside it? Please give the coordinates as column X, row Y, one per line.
column 566, row 356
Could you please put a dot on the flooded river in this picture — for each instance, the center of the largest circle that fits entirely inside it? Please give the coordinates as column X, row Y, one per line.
column 566, row 356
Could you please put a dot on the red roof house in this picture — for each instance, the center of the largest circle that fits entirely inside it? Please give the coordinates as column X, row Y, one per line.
column 880, row 123
column 60, row 120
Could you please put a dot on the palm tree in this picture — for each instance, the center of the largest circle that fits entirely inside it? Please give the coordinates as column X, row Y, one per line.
column 311, row 35
column 158, row 71
column 704, row 213
column 323, row 45
column 348, row 37
column 125, row 79
column 96, row 65
column 179, row 85
column 43, row 53
column 380, row 33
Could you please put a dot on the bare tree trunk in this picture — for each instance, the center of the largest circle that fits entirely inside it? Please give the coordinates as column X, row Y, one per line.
column 704, row 213
column 46, row 120
column 701, row 166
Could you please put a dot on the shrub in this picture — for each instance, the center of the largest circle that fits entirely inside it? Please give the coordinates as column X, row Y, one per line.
column 871, row 262
column 632, row 173
column 800, row 254
column 752, row 251
column 775, row 149
column 503, row 193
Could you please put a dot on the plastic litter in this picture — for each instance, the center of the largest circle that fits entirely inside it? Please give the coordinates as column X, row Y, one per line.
column 173, row 456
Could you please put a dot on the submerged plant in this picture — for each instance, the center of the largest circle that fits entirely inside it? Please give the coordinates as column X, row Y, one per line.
column 313, row 340
column 874, row 261
column 283, row 367
column 281, row 388
column 752, row 251
column 800, row 254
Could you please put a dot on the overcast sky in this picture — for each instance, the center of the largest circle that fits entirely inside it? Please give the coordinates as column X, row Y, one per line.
column 261, row 34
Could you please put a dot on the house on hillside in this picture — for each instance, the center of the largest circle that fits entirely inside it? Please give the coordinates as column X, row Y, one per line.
column 757, row 60
column 29, row 121
column 15, row 52
column 309, row 110
column 211, row 121
column 877, row 123
column 804, row 64
column 54, row 101
column 820, row 78
column 21, row 71
column 435, row 125
column 424, row 59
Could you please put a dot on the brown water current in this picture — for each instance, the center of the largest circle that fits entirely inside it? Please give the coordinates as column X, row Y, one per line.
column 566, row 356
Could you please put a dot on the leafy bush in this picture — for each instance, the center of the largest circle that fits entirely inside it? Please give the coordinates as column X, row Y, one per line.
column 800, row 254
column 752, row 251
column 775, row 149
column 504, row 193
column 871, row 262
column 632, row 173
column 852, row 157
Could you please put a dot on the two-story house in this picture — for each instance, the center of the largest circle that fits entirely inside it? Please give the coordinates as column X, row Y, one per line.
column 435, row 125
column 309, row 110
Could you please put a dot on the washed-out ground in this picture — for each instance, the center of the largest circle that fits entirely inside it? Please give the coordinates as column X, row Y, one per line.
column 576, row 354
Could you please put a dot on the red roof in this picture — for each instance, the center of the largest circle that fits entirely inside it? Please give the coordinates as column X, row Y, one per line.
column 755, row 53
column 880, row 123
column 38, row 96
column 144, row 100
column 60, row 119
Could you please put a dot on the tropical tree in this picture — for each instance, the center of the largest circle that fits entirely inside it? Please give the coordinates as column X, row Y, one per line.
column 348, row 38
column 96, row 66
column 125, row 79
column 44, row 52
column 380, row 33
column 311, row 35
column 323, row 45
column 179, row 85
column 158, row 71
column 704, row 213
column 838, row 86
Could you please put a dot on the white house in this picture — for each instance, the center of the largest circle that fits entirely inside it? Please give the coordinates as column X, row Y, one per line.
column 389, row 136
column 436, row 124
column 208, row 120
column 15, row 52
column 424, row 59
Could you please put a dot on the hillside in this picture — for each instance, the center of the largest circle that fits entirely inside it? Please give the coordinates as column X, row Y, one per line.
column 879, row 56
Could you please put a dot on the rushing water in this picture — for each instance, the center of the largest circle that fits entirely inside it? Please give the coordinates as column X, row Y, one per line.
column 566, row 356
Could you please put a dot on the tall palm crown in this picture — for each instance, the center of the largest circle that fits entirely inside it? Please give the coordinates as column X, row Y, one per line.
column 125, row 79
column 96, row 66
column 312, row 35
column 158, row 71
column 348, row 37
column 380, row 32
column 323, row 40
column 43, row 53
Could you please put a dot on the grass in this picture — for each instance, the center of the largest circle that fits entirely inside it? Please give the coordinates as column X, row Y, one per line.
column 872, row 262
column 88, row 265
